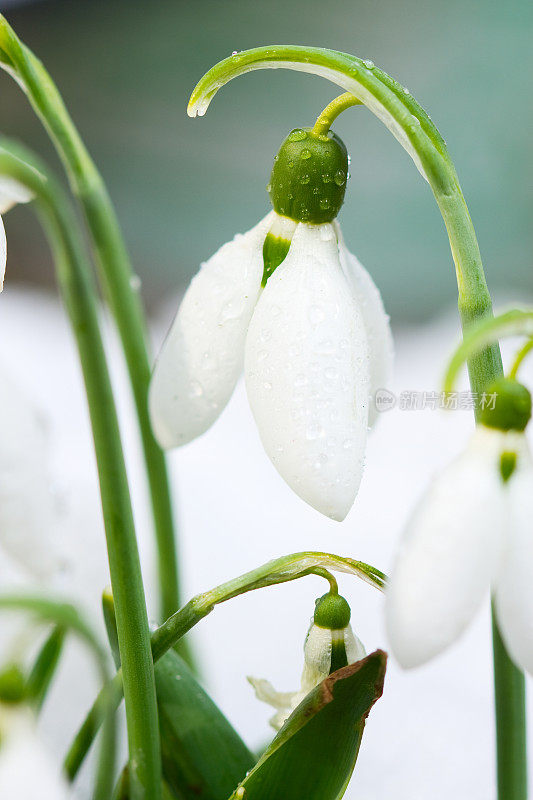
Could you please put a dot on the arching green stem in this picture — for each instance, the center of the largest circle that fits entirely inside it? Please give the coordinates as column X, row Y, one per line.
column 332, row 111
column 524, row 351
column 408, row 122
column 79, row 297
column 118, row 280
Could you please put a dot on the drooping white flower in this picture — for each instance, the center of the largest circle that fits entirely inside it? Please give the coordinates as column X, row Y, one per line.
column 27, row 771
column 315, row 343
column 470, row 531
column 326, row 649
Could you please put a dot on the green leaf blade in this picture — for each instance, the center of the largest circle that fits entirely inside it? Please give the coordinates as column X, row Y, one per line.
column 314, row 754
column 203, row 756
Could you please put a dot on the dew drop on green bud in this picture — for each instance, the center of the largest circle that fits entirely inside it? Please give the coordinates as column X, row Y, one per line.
column 340, row 178
column 305, row 154
column 368, row 64
column 326, row 177
column 324, row 204
column 304, row 179
column 297, row 135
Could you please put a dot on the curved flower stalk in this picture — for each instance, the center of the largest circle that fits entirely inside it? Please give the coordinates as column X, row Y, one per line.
column 27, row 770
column 330, row 644
column 291, row 302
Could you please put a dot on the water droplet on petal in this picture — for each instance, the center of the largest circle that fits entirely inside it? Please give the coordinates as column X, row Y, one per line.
column 314, row 431
column 195, row 389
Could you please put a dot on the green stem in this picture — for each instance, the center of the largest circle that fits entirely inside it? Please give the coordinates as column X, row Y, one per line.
column 510, row 721
column 332, row 111
column 118, row 281
column 524, row 351
column 280, row 570
column 73, row 275
column 409, row 123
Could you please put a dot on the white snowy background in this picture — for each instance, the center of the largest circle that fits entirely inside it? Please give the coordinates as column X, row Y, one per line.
column 432, row 733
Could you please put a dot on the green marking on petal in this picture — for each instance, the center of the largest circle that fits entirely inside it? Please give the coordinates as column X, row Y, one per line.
column 508, row 462
column 275, row 250
column 339, row 657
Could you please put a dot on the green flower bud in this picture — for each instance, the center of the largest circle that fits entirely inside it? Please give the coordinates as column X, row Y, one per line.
column 512, row 406
column 309, row 176
column 12, row 684
column 332, row 611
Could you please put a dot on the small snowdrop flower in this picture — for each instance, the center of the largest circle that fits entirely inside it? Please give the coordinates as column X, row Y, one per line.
column 291, row 304
column 27, row 770
column 471, row 531
column 330, row 645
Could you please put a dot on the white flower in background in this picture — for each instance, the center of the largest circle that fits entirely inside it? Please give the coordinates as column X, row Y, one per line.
column 472, row 530
column 314, row 341
column 27, row 771
column 11, row 193
column 330, row 645
column 30, row 514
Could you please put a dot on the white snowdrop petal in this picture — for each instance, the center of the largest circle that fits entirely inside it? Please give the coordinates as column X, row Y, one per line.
column 3, row 254
column 307, row 373
column 265, row 692
column 513, row 595
column 378, row 332
column 449, row 555
column 201, row 358
column 12, row 192
column 355, row 650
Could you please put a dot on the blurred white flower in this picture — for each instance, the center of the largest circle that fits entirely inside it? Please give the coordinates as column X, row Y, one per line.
column 326, row 649
column 30, row 514
column 11, row 193
column 315, row 343
column 27, row 771
column 471, row 530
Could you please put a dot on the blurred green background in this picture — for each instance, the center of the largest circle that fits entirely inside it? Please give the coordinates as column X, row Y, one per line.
column 182, row 187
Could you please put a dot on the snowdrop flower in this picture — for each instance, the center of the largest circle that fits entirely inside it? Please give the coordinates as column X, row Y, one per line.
column 290, row 303
column 330, row 645
column 471, row 530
